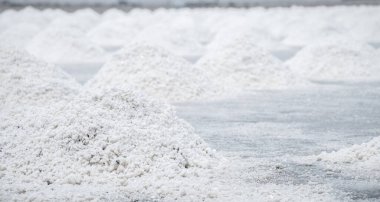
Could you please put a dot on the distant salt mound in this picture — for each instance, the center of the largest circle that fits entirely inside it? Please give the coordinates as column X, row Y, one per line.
column 113, row 34
column 82, row 20
column 153, row 71
column 181, row 41
column 27, row 15
column 362, row 24
column 5, row 17
column 19, row 35
column 26, row 80
column 112, row 14
column 260, row 37
column 311, row 31
column 64, row 45
column 113, row 140
column 242, row 65
column 336, row 61
column 226, row 34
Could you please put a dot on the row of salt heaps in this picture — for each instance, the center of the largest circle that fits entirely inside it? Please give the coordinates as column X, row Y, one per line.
column 235, row 49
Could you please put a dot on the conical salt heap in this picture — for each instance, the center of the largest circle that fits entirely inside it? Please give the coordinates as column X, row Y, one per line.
column 112, row 139
column 24, row 80
column 336, row 61
column 242, row 65
column 153, row 71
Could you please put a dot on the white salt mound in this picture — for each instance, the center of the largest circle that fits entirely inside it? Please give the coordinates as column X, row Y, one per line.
column 114, row 33
column 242, row 65
column 336, row 61
column 65, row 45
column 82, row 20
column 181, row 41
column 304, row 32
column 112, row 14
column 227, row 34
column 112, row 141
column 26, row 80
column 27, row 15
column 153, row 71
column 19, row 35
column 363, row 156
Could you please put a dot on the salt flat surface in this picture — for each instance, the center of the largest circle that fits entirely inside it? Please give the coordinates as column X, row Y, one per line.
column 273, row 130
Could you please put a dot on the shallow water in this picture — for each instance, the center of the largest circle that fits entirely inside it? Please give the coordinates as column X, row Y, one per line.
column 274, row 128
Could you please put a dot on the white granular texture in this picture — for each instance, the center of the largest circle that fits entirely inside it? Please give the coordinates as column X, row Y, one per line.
column 26, row 80
column 243, row 65
column 113, row 141
column 365, row 153
column 153, row 71
column 362, row 160
column 336, row 61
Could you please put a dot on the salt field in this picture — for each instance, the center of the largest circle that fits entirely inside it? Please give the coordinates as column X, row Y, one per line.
column 200, row 104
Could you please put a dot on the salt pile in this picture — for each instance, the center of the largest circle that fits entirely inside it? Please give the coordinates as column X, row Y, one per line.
column 313, row 28
column 362, row 157
column 336, row 61
column 112, row 13
column 154, row 71
column 241, row 64
column 244, row 28
column 26, row 15
column 114, row 33
column 361, row 23
column 180, row 39
column 63, row 45
column 19, row 35
column 355, row 153
column 26, row 80
column 64, row 41
column 82, row 20
column 114, row 140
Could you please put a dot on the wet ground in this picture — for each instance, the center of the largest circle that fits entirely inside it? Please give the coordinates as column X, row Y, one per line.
column 274, row 129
